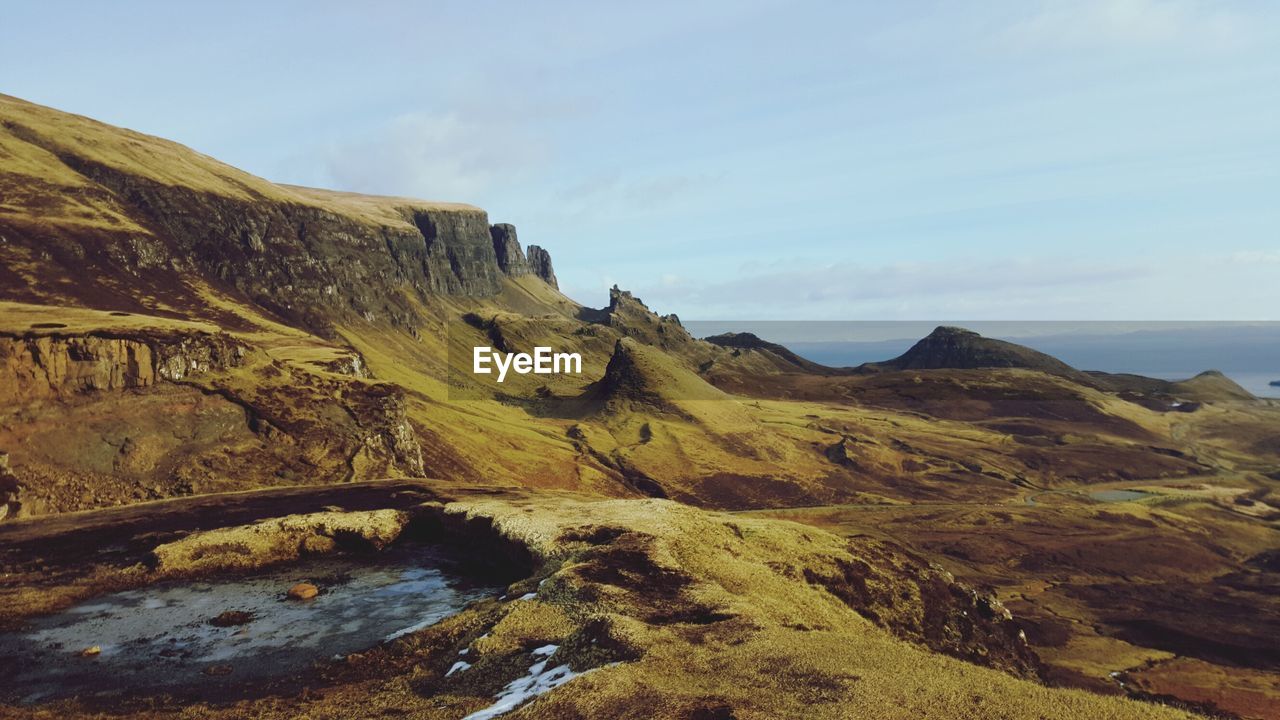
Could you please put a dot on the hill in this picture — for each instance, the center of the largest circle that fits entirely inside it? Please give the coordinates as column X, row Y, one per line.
column 105, row 205
column 959, row 349
column 185, row 347
column 779, row 357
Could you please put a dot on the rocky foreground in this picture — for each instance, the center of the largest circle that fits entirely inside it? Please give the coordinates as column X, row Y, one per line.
column 658, row 610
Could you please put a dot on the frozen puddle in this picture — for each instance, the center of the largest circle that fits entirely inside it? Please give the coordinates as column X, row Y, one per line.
column 160, row 637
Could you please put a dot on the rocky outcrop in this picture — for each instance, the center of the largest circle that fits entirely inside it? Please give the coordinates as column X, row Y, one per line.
column 641, row 376
column 10, row 502
column 842, row 453
column 627, row 314
column 190, row 412
column 388, row 442
column 629, row 377
column 540, row 264
column 506, row 246
column 513, row 261
column 34, row 367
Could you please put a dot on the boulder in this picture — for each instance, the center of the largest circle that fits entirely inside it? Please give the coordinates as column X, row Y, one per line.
column 231, row 618
column 303, row 591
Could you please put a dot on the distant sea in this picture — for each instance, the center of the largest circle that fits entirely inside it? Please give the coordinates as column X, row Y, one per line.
column 1248, row 353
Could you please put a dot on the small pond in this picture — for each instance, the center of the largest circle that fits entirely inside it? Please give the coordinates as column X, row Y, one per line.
column 161, row 637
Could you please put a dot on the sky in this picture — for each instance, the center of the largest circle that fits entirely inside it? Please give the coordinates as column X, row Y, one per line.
column 748, row 159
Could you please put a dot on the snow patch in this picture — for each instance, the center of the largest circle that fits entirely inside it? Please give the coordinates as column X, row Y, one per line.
column 519, row 691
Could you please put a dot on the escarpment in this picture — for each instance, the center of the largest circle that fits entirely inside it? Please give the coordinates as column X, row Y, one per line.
column 306, row 264
column 142, row 223
column 113, row 416
column 33, row 367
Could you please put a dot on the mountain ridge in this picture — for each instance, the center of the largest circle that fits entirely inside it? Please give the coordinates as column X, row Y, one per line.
column 174, row 330
column 86, row 199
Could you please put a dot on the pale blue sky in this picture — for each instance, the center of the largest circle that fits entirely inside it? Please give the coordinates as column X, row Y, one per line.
column 1005, row 159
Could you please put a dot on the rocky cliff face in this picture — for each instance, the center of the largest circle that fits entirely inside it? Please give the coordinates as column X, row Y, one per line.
column 540, row 263
column 513, row 261
column 37, row 367
column 304, row 263
column 630, row 316
column 506, row 246
column 106, row 417
column 133, row 217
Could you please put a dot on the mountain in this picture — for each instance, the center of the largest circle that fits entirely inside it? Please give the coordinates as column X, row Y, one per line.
column 131, row 216
column 959, row 349
column 166, row 288
column 200, row 368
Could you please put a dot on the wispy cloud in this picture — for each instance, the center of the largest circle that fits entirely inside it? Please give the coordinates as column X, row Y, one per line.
column 1072, row 26
column 1256, row 257
column 617, row 192
column 929, row 288
column 445, row 156
column 1077, row 24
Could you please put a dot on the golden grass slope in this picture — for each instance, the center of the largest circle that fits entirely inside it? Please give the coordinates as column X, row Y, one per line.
column 667, row 610
column 43, row 152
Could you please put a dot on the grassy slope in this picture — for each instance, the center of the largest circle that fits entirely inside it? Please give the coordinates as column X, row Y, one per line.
column 38, row 141
column 706, row 611
column 916, row 436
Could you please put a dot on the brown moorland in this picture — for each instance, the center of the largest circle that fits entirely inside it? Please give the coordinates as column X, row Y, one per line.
column 191, row 357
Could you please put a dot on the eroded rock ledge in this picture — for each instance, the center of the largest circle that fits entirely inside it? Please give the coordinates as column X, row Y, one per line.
column 41, row 366
column 192, row 411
